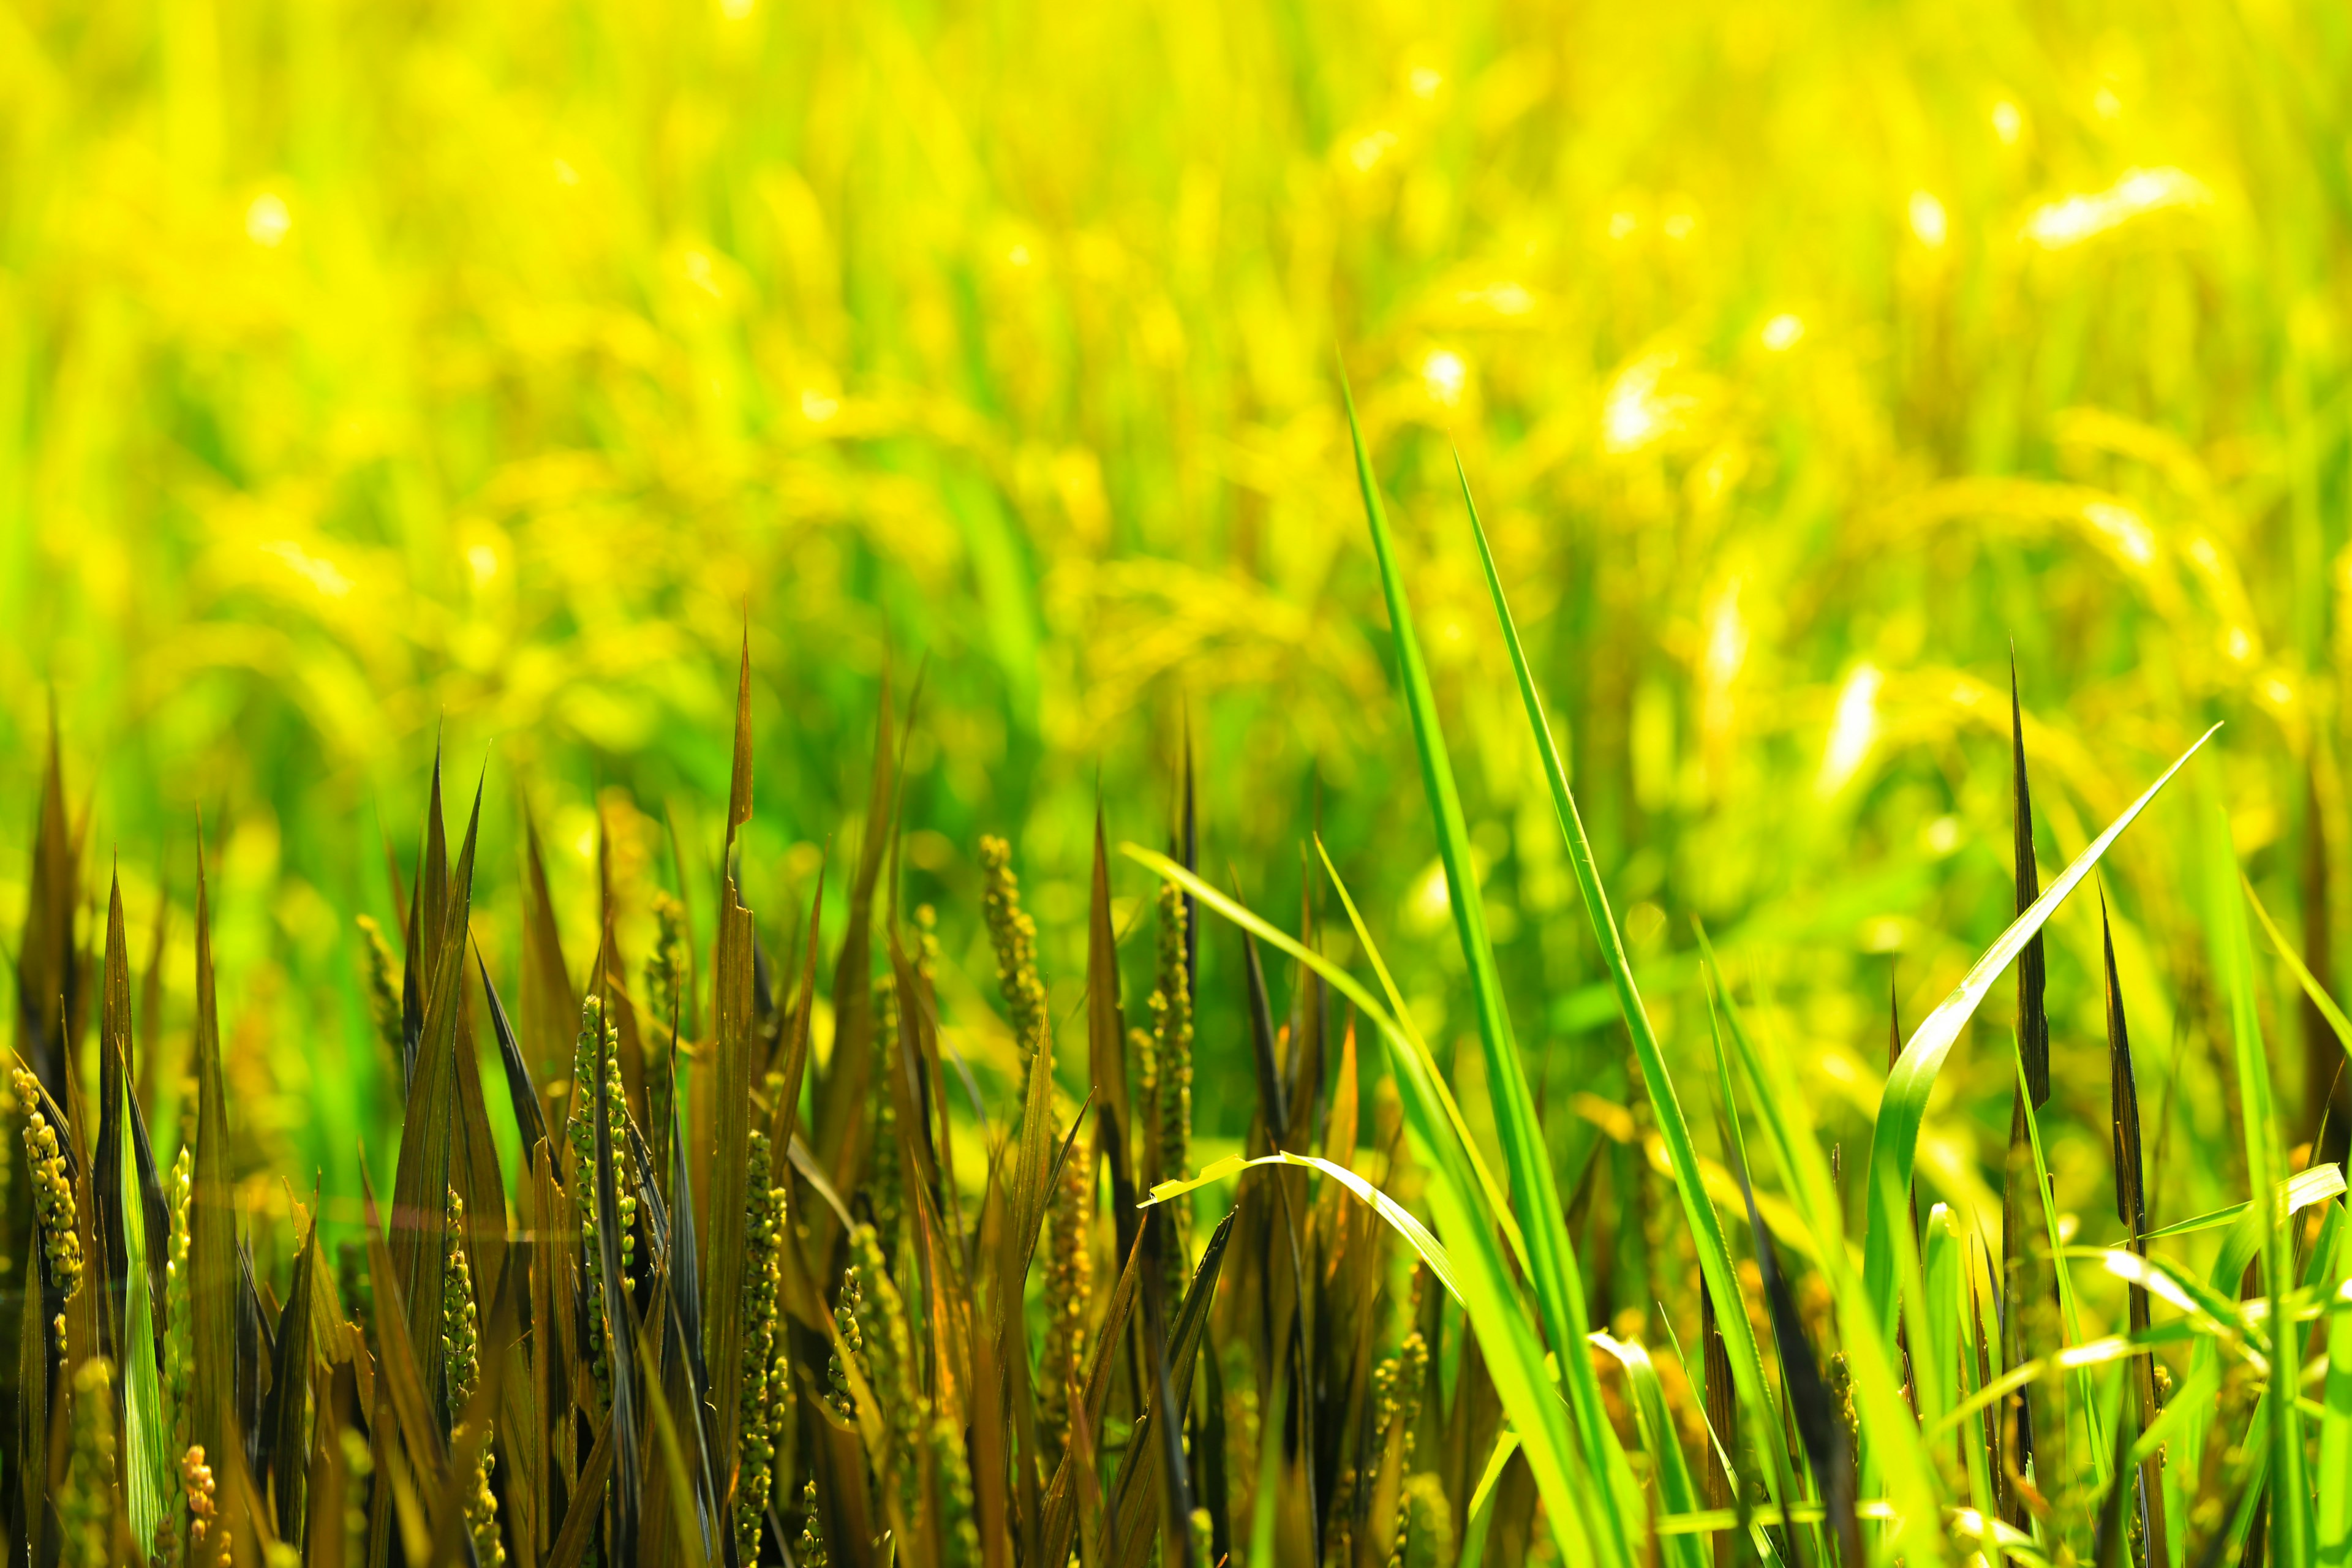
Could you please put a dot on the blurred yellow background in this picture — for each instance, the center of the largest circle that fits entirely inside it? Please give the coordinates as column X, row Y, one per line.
column 370, row 373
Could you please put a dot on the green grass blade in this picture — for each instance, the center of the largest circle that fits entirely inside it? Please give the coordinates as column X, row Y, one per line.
column 1763, row 1419
column 1411, row 1032
column 1895, row 1137
column 1482, row 1499
column 147, row 1441
column 1567, row 1483
column 1698, row 1214
column 2086, row 1390
column 1399, row 1218
column 2320, row 999
column 2234, row 967
column 1535, row 1197
column 1894, row 1450
column 2104, row 1352
column 1936, row 1338
column 2335, row 1521
column 2300, row 1191
column 1676, row 1494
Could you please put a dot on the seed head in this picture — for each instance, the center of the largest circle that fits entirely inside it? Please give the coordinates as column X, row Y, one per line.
column 196, row 1483
column 1015, row 936
column 384, row 994
column 53, row 1195
column 762, row 1405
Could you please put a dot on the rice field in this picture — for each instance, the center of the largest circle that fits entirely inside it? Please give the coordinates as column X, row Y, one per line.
column 1291, row 784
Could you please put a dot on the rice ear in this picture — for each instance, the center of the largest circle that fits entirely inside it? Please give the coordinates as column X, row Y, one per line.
column 621, row 1330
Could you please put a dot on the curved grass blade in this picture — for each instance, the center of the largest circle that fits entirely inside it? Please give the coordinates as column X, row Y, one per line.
column 1567, row 1481
column 1715, row 1269
column 1895, row 1135
column 1482, row 1501
column 1432, row 1250
column 2098, row 1353
column 1487, row 1184
column 1661, row 1444
column 2299, row 1190
column 1535, row 1195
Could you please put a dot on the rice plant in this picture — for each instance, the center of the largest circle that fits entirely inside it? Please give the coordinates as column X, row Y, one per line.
column 765, row 1277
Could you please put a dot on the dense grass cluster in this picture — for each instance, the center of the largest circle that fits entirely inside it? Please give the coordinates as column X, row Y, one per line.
column 752, row 1291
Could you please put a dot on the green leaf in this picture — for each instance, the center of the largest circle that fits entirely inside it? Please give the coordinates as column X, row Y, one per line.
column 1535, row 1195
column 2335, row 1521
column 2085, row 1391
column 1895, row 1137
column 1491, row 1299
column 1894, row 1450
column 2300, row 1191
column 2234, row 967
column 1698, row 1214
column 1482, row 1498
column 2336, row 1022
column 1497, row 1202
column 1432, row 1250
column 1660, row 1442
column 147, row 1439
